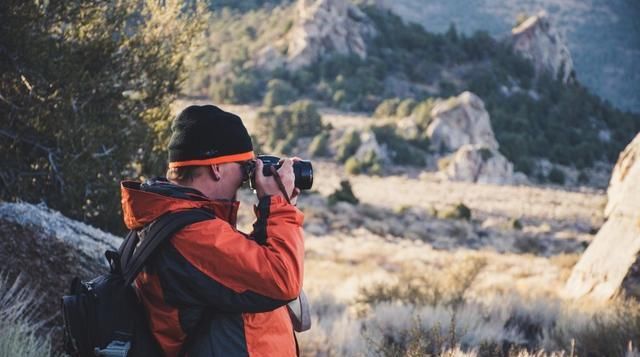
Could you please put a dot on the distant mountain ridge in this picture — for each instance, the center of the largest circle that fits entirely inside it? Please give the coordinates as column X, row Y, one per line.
column 603, row 35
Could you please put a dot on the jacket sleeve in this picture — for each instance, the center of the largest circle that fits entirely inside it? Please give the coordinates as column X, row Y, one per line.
column 211, row 264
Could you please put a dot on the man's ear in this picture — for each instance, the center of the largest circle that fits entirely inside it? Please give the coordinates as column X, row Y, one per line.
column 215, row 172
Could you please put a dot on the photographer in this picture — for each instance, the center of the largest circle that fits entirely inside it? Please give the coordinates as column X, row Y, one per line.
column 212, row 290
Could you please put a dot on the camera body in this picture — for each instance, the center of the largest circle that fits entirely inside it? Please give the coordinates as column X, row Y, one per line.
column 302, row 170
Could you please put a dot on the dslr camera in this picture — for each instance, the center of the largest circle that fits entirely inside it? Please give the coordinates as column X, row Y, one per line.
column 302, row 170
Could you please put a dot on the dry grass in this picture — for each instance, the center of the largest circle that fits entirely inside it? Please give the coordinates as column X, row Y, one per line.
column 391, row 277
column 18, row 332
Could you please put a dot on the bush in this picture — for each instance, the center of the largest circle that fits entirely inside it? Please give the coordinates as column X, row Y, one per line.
column 348, row 146
column 369, row 163
column 401, row 151
column 236, row 90
column 319, row 146
column 405, row 108
column 300, row 119
column 422, row 112
column 279, row 92
column 305, row 118
column 460, row 211
column 343, row 194
column 387, row 108
column 556, row 176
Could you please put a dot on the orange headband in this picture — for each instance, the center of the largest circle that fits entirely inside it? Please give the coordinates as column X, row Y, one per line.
column 214, row 160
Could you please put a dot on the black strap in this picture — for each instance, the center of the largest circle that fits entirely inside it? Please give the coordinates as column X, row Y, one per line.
column 127, row 246
column 276, row 176
column 133, row 258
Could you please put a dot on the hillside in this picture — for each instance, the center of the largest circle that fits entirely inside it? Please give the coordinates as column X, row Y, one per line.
column 603, row 35
column 535, row 115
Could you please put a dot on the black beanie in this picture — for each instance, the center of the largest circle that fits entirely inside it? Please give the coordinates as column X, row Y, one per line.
column 205, row 135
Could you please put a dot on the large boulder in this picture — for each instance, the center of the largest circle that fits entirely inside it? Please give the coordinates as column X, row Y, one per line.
column 47, row 250
column 320, row 27
column 369, row 147
column 460, row 121
column 538, row 40
column 475, row 163
column 611, row 264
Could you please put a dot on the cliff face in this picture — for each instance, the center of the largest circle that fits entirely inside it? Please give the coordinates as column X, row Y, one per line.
column 539, row 41
column 320, row 27
column 327, row 25
column 611, row 264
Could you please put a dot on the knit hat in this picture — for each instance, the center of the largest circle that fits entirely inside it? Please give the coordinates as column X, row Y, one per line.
column 205, row 135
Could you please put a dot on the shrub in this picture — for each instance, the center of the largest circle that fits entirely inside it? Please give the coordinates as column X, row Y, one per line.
column 387, row 108
column 305, row 118
column 422, row 112
column 369, row 163
column 319, row 146
column 556, row 176
column 402, row 151
column 279, row 92
column 299, row 119
column 352, row 166
column 405, row 108
column 348, row 146
column 236, row 90
column 516, row 224
column 343, row 194
column 460, row 211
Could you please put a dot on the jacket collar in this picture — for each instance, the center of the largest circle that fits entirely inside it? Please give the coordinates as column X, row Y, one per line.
column 144, row 202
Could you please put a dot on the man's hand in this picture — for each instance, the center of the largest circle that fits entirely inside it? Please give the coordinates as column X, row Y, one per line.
column 267, row 186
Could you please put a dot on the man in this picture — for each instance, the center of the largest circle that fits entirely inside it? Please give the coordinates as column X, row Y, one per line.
column 212, row 288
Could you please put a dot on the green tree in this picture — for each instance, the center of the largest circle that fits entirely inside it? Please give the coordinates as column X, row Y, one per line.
column 279, row 92
column 299, row 119
column 86, row 87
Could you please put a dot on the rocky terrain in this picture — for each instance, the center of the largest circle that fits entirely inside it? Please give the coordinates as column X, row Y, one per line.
column 320, row 27
column 536, row 39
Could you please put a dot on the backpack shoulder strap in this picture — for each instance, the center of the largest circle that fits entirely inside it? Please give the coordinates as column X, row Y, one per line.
column 159, row 231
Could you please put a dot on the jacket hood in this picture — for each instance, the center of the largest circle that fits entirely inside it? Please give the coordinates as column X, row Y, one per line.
column 142, row 203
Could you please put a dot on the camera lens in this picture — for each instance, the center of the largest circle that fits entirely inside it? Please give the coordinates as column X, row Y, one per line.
column 304, row 174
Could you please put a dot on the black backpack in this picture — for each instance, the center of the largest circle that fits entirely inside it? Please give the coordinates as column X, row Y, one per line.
column 103, row 317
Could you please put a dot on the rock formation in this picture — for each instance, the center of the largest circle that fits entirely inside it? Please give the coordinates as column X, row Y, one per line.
column 460, row 121
column 474, row 163
column 320, row 27
column 47, row 250
column 370, row 148
column 537, row 40
column 611, row 264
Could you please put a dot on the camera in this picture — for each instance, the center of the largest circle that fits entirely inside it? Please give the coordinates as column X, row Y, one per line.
column 302, row 170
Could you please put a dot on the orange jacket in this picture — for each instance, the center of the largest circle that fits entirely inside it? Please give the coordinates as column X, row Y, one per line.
column 239, row 282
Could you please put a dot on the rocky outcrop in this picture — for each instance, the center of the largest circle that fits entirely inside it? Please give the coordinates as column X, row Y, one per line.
column 320, row 27
column 370, row 148
column 474, row 163
column 611, row 264
column 47, row 250
column 460, row 121
column 537, row 40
